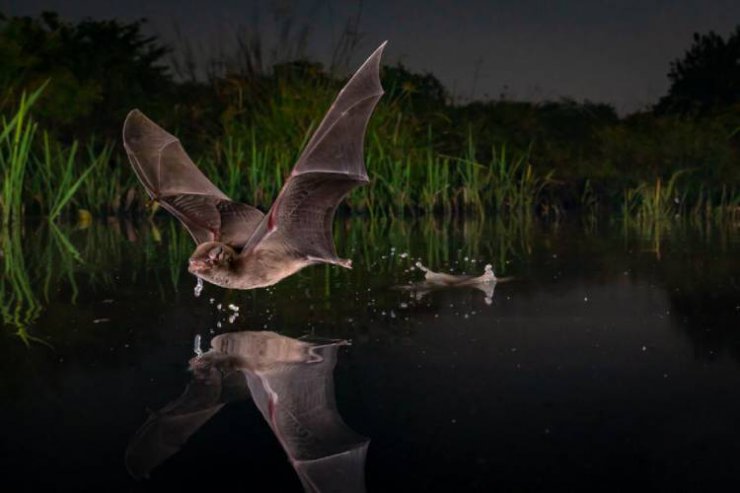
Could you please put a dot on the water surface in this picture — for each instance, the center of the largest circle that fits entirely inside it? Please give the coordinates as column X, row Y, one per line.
column 611, row 361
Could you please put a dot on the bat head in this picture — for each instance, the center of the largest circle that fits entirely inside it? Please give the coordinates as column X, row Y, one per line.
column 212, row 261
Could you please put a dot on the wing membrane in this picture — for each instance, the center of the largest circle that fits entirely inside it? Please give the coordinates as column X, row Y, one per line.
column 332, row 164
column 171, row 178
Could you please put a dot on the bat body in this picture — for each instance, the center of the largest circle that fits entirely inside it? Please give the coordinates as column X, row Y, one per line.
column 290, row 381
column 237, row 245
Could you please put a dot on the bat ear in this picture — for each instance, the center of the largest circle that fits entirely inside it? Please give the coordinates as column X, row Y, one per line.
column 216, row 253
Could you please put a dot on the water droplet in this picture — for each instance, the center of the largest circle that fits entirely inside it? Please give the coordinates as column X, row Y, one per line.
column 196, row 346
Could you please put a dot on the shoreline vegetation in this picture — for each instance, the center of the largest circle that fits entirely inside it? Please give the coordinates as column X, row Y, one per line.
column 245, row 120
column 45, row 260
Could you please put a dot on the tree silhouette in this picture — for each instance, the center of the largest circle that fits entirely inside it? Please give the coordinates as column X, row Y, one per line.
column 98, row 70
column 707, row 77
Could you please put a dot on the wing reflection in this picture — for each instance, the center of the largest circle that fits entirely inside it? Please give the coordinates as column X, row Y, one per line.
column 215, row 382
column 290, row 381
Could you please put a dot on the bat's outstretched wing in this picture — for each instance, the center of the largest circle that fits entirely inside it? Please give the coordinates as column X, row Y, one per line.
column 215, row 382
column 332, row 164
column 172, row 179
column 291, row 382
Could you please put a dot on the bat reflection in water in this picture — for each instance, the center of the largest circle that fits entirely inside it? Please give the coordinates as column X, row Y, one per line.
column 291, row 383
column 237, row 245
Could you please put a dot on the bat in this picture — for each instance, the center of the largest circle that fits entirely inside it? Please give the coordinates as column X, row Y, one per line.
column 237, row 245
column 290, row 381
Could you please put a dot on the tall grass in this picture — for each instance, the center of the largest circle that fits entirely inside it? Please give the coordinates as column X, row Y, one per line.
column 658, row 201
column 663, row 200
column 46, row 174
column 723, row 207
column 252, row 157
column 249, row 168
column 108, row 187
column 16, row 139
column 59, row 178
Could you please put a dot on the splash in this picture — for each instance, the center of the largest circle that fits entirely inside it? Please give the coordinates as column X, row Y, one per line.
column 196, row 346
column 198, row 287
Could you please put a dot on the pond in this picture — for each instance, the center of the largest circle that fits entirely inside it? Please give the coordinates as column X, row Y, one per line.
column 610, row 360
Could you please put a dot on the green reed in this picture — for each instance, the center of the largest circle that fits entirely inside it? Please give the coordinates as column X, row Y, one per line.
column 16, row 139
column 245, row 170
column 48, row 174
column 253, row 156
column 179, row 249
column 109, row 186
column 59, row 177
column 664, row 200
column 654, row 209
column 658, row 201
column 722, row 207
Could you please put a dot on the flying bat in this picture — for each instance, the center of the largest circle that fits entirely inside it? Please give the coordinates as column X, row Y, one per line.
column 290, row 381
column 237, row 245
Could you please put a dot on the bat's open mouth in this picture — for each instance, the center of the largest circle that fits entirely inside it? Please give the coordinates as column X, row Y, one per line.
column 197, row 265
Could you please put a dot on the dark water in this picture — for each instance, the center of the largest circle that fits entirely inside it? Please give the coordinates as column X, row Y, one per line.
column 611, row 361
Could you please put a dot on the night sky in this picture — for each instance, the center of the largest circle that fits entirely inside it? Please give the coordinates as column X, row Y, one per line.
column 606, row 51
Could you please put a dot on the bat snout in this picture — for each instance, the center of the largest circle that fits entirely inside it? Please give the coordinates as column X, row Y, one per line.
column 197, row 264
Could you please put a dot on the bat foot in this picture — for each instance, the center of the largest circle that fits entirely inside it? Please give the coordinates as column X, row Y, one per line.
column 345, row 262
column 342, row 262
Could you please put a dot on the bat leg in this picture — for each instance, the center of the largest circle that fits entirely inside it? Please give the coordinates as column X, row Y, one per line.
column 342, row 262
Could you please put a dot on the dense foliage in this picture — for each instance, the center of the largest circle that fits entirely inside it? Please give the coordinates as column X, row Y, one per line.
column 249, row 119
column 98, row 71
column 707, row 78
